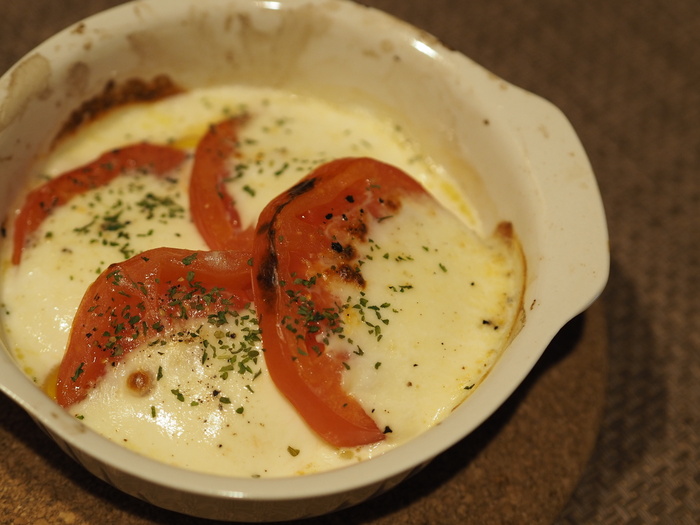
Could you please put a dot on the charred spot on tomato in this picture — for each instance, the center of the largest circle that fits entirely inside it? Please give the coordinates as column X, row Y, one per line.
column 263, row 228
column 267, row 275
column 302, row 187
column 140, row 382
column 358, row 230
column 350, row 275
column 346, row 252
column 392, row 204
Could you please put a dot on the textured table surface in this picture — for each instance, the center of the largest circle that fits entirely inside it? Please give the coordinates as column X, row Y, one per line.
column 607, row 428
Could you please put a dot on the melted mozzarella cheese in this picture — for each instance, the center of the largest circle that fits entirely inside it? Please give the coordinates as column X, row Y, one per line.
column 70, row 249
column 204, row 414
column 438, row 308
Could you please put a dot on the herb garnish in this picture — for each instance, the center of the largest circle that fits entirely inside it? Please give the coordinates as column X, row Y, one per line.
column 78, row 372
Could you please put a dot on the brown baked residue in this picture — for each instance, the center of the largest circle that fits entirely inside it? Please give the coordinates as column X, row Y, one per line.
column 115, row 95
column 505, row 230
column 140, row 382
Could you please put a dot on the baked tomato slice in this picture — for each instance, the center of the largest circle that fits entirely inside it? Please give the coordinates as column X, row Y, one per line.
column 304, row 248
column 212, row 207
column 40, row 202
column 142, row 299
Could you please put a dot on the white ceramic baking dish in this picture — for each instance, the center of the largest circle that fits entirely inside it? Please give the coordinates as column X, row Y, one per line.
column 512, row 153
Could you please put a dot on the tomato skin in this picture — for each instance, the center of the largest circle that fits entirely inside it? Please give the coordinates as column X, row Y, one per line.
column 213, row 209
column 41, row 201
column 142, row 299
column 304, row 244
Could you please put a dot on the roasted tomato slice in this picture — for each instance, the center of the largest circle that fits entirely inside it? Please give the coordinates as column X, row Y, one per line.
column 144, row 298
column 41, row 201
column 212, row 206
column 304, row 247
